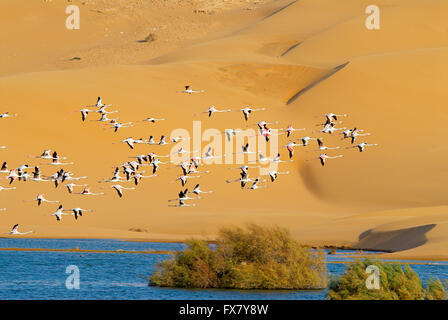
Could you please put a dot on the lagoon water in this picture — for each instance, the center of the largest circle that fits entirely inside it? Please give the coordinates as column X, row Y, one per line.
column 42, row 275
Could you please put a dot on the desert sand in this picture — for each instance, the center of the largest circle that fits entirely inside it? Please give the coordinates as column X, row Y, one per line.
column 298, row 59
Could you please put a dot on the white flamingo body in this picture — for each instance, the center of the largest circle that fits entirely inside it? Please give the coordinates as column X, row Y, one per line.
column 15, row 231
column 197, row 190
column 323, row 158
column 70, row 186
column 247, row 111
column 190, row 91
column 361, row 146
column 40, row 199
column 255, row 185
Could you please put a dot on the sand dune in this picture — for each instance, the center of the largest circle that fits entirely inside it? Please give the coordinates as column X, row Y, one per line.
column 280, row 55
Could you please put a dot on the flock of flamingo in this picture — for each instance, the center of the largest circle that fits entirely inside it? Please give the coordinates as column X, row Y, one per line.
column 129, row 170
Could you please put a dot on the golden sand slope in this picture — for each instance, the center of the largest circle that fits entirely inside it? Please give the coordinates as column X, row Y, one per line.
column 389, row 197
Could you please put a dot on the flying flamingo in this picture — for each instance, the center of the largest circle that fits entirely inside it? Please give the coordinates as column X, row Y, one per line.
column 290, row 130
column 177, row 139
column 266, row 133
column 184, row 166
column 77, row 212
column 7, row 115
column 331, row 116
column 66, row 176
column 84, row 113
column 99, row 103
column 40, row 198
column 129, row 141
column 277, row 159
column 152, row 156
column 153, row 120
column 15, row 231
column 192, row 169
column 87, row 192
column 323, row 157
column 244, row 168
column 231, row 132
column 120, row 189
column 128, row 171
column 141, row 159
column 12, row 176
column 321, row 146
column 151, row 140
column 138, row 176
column 105, row 118
column 118, row 125
column 212, row 110
column 262, row 159
column 36, row 175
column 274, row 175
column 155, row 164
column 243, row 180
column 327, row 123
column 330, row 129
column 182, row 151
column 245, row 150
column 102, row 110
column 58, row 213
column 190, row 91
column 362, row 146
column 56, row 162
column 162, row 141
column 262, row 124
column 306, row 140
column 70, row 186
column 197, row 190
column 2, row 188
column 45, row 155
column 183, row 179
column 208, row 155
column 116, row 177
column 290, row 146
column 182, row 204
column 255, row 185
column 183, row 195
column 247, row 111
column 4, row 168
column 355, row 133
column 195, row 161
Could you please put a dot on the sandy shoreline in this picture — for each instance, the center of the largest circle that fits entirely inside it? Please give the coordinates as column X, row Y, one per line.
column 376, row 254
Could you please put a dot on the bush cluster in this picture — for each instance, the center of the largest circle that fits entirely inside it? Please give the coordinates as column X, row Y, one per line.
column 256, row 258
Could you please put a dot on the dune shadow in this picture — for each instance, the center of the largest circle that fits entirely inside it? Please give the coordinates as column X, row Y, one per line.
column 310, row 180
column 364, row 234
column 315, row 83
column 280, row 9
column 394, row 240
column 290, row 48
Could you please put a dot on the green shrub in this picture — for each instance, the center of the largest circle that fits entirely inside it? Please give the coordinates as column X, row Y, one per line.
column 435, row 290
column 256, row 258
column 396, row 282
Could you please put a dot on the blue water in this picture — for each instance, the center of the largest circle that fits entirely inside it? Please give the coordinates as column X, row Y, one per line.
column 42, row 275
